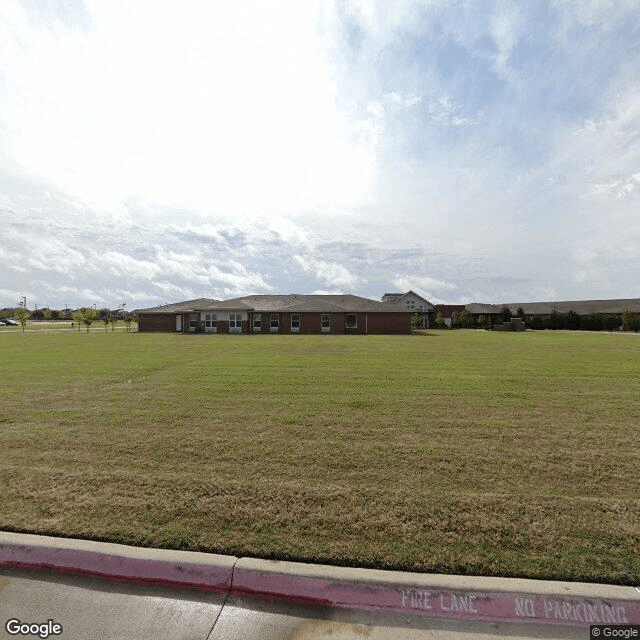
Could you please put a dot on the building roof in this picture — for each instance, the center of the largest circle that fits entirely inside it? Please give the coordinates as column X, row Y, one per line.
column 582, row 307
column 277, row 303
column 398, row 298
column 176, row 307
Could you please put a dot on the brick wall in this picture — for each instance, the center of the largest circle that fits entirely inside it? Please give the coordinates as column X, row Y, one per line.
column 310, row 323
column 157, row 322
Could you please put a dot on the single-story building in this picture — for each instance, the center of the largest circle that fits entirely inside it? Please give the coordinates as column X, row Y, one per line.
column 293, row 313
column 492, row 313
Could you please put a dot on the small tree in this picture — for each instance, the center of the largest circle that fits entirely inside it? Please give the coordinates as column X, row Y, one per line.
column 629, row 319
column 612, row 322
column 415, row 321
column 556, row 320
column 505, row 314
column 439, row 319
column 520, row 313
column 78, row 318
column 88, row 316
column 21, row 315
column 482, row 322
column 113, row 320
column 129, row 319
column 572, row 320
column 106, row 320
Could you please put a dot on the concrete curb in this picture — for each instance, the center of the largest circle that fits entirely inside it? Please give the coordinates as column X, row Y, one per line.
column 205, row 571
column 439, row 596
column 452, row 597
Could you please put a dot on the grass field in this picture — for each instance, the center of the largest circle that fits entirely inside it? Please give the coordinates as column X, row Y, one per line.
column 451, row 451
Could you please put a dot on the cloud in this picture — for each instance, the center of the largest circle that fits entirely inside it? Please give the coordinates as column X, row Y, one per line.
column 330, row 273
column 461, row 149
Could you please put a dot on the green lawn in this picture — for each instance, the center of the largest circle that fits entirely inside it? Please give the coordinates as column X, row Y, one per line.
column 455, row 451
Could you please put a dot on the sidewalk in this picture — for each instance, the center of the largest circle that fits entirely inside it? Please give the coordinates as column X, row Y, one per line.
column 98, row 590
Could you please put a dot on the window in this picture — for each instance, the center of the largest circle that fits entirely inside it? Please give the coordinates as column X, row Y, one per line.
column 193, row 321
column 257, row 322
column 235, row 322
column 211, row 322
column 295, row 323
column 275, row 322
column 410, row 304
column 351, row 321
column 325, row 321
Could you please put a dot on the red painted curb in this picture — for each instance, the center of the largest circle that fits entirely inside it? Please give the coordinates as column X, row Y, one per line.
column 370, row 591
column 577, row 611
column 115, row 566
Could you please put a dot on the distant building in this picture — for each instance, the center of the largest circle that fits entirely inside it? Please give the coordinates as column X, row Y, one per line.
column 293, row 313
column 542, row 310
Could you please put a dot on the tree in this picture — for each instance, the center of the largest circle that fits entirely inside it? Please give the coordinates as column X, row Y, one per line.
column 88, row 316
column 106, row 320
column 505, row 314
column 21, row 315
column 439, row 319
column 459, row 318
column 415, row 321
column 129, row 319
column 556, row 320
column 592, row 322
column 536, row 323
column 572, row 320
column 38, row 315
column 113, row 320
column 78, row 318
column 630, row 320
column 520, row 313
column 612, row 322
column 482, row 321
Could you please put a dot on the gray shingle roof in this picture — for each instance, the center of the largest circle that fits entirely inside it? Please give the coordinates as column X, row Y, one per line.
column 582, row 307
column 278, row 303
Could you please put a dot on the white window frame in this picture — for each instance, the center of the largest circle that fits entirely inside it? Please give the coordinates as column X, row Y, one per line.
column 323, row 328
column 355, row 321
column 235, row 322
column 211, row 323
column 295, row 329
column 256, row 323
column 193, row 321
column 274, row 318
column 410, row 304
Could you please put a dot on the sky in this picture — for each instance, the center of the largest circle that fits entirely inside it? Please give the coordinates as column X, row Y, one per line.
column 153, row 151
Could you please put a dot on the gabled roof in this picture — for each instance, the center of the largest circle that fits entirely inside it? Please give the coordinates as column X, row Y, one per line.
column 277, row 303
column 399, row 297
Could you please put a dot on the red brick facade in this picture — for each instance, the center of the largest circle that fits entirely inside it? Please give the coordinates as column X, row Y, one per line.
column 157, row 322
column 309, row 323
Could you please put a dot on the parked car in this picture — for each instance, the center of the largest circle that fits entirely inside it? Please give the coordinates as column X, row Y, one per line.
column 13, row 323
column 2, row 324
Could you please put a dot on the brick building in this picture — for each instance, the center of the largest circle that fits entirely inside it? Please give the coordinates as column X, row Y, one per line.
column 293, row 313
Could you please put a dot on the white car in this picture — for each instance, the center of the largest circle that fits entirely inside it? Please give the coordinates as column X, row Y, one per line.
column 13, row 323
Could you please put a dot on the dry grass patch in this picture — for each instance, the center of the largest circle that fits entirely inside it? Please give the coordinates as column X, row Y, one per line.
column 466, row 452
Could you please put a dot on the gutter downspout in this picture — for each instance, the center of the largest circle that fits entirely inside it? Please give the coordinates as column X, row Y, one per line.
column 366, row 324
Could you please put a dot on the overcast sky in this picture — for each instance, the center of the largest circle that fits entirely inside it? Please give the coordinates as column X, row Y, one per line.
column 154, row 151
